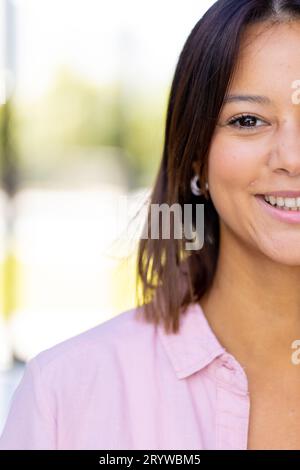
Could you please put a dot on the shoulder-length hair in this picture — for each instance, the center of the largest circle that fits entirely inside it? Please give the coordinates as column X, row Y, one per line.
column 169, row 277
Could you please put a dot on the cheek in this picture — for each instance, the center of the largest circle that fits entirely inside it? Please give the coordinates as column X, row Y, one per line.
column 233, row 164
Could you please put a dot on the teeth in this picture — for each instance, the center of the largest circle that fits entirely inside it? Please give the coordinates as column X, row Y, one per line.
column 280, row 201
column 287, row 203
column 272, row 200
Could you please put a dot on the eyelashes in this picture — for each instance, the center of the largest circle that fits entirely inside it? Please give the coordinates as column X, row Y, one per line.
column 244, row 117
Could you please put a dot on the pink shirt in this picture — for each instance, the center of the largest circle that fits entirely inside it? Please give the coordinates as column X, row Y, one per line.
column 126, row 385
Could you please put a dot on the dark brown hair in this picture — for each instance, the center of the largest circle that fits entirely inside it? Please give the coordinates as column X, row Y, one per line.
column 169, row 277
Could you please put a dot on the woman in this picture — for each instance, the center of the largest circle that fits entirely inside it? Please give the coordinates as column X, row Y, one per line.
column 206, row 362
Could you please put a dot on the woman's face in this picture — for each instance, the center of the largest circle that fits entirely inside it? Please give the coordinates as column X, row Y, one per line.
column 260, row 154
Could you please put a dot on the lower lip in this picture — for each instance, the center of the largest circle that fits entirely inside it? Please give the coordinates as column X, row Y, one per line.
column 292, row 217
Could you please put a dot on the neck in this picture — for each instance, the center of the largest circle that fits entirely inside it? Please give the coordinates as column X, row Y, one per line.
column 253, row 305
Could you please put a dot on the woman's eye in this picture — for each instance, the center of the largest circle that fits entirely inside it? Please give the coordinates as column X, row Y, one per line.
column 246, row 122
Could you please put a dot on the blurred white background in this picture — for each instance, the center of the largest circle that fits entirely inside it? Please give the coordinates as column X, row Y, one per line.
column 88, row 81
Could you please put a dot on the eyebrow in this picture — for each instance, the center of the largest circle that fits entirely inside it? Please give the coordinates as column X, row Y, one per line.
column 259, row 99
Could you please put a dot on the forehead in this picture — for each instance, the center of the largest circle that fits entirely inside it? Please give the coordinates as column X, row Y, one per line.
column 268, row 60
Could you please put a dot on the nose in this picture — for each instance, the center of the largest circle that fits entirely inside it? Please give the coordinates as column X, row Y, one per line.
column 286, row 154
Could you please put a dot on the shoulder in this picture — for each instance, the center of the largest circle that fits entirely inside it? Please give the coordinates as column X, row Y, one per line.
column 66, row 390
column 118, row 339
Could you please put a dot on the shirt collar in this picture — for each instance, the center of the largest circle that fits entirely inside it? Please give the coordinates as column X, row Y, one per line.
column 194, row 346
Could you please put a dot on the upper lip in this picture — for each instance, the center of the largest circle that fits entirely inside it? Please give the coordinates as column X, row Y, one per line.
column 292, row 194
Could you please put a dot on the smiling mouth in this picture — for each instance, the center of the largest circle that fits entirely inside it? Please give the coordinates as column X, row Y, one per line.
column 280, row 203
